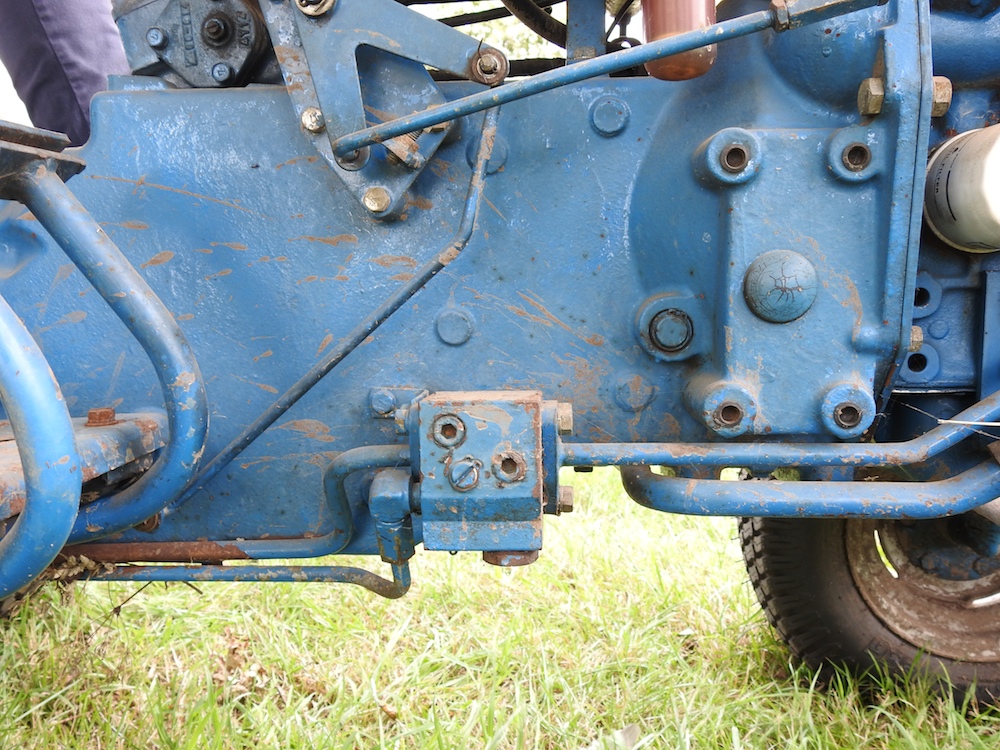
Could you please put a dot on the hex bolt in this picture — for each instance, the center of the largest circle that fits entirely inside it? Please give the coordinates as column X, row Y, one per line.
column 916, row 338
column 564, row 418
column 312, row 120
column 102, row 416
column 941, row 101
column 509, row 466
column 377, row 200
column 382, row 402
column 671, row 330
column 491, row 67
column 565, row 502
column 463, row 473
column 156, row 38
column 448, row 430
column 488, row 65
column 222, row 72
column 871, row 95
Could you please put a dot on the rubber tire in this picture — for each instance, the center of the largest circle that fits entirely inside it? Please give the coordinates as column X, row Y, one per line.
column 800, row 571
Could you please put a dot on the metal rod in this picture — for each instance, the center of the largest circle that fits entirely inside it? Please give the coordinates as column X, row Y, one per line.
column 919, row 500
column 52, row 469
column 364, row 329
column 142, row 312
column 919, row 449
column 580, row 71
column 393, row 589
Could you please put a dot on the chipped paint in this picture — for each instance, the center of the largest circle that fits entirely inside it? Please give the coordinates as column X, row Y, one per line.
column 159, row 259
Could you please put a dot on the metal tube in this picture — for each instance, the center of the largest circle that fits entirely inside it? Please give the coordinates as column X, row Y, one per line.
column 553, row 79
column 393, row 589
column 919, row 500
column 138, row 307
column 52, row 468
column 364, row 329
column 928, row 445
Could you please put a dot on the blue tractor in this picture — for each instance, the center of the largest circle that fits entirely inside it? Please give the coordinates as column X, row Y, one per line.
column 333, row 277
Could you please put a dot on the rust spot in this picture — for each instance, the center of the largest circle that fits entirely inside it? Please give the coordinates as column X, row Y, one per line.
column 595, row 340
column 307, row 159
column 421, row 203
column 334, row 241
column 259, row 357
column 327, row 340
column 185, row 316
column 230, row 245
column 307, row 280
column 158, row 260
column 390, row 260
column 311, row 428
column 402, row 277
column 223, row 272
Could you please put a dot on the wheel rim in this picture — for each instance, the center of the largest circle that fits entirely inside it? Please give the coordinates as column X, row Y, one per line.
column 948, row 612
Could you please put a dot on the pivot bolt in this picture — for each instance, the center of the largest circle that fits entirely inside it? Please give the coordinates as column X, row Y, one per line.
column 941, row 101
column 463, row 474
column 377, row 200
column 382, row 402
column 871, row 95
column 155, row 38
column 215, row 30
column 491, row 67
column 222, row 72
column 565, row 503
column 564, row 418
column 312, row 120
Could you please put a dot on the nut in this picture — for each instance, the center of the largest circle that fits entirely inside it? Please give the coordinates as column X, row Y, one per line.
column 564, row 418
column 102, row 416
column 312, row 120
column 871, row 95
column 565, row 502
column 377, row 200
column 941, row 101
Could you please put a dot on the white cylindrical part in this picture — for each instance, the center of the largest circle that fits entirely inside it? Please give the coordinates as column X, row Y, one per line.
column 962, row 194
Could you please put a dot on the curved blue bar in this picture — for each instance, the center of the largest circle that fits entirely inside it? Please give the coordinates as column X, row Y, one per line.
column 138, row 307
column 52, row 469
column 713, row 497
column 928, row 445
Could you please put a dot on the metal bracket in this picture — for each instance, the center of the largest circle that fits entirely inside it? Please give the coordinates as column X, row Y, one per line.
column 344, row 72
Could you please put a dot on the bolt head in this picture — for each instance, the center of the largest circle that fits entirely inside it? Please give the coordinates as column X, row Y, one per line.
column 103, row 416
column 916, row 338
column 463, row 473
column 382, row 402
column 941, row 101
column 488, row 65
column 377, row 200
column 222, row 72
column 156, row 38
column 565, row 503
column 671, row 330
column 564, row 418
column 312, row 120
column 871, row 95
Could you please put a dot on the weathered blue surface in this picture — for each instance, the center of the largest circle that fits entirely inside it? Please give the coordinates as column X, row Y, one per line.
column 607, row 269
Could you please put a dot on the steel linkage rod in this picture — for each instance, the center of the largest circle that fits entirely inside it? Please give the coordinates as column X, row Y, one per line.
column 369, row 325
column 781, row 15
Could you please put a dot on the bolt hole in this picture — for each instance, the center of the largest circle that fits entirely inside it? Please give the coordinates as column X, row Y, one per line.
column 508, row 466
column 729, row 414
column 847, row 416
column 917, row 362
column 857, row 156
column 735, row 158
column 449, row 431
column 921, row 297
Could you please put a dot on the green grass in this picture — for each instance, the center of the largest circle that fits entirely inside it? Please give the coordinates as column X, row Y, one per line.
column 629, row 617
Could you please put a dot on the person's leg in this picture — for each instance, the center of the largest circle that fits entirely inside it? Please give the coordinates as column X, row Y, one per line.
column 59, row 53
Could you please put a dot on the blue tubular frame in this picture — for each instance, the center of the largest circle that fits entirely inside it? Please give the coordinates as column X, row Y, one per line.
column 916, row 500
column 920, row 449
column 138, row 307
column 45, row 443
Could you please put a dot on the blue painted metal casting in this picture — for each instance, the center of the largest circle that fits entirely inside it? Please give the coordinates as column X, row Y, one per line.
column 405, row 309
